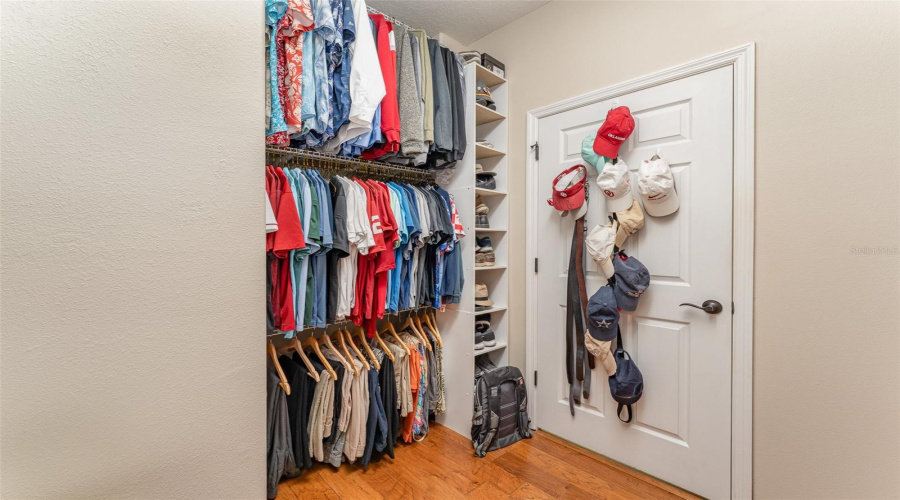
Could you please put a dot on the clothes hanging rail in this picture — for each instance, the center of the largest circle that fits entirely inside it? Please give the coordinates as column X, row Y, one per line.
column 392, row 19
column 347, row 322
column 309, row 159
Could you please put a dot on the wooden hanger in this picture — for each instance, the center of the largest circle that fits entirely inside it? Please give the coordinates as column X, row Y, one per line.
column 427, row 322
column 432, row 318
column 295, row 345
column 362, row 340
column 359, row 355
column 384, row 347
column 388, row 326
column 325, row 339
column 311, row 341
column 270, row 348
column 411, row 324
column 347, row 354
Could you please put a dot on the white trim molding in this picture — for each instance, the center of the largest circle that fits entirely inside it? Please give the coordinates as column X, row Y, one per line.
column 743, row 60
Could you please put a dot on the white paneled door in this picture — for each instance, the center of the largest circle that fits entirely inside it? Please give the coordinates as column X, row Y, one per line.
column 681, row 430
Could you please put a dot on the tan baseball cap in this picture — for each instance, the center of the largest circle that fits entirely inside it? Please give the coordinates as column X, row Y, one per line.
column 601, row 349
column 482, row 297
column 600, row 242
column 629, row 222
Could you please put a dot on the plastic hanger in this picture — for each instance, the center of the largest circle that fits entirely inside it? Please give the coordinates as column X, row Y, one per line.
column 658, row 155
column 362, row 340
column 295, row 345
column 312, row 342
column 384, row 347
column 270, row 348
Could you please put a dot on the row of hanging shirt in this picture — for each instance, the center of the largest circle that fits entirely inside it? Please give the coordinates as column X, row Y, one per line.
column 343, row 81
column 348, row 407
column 356, row 249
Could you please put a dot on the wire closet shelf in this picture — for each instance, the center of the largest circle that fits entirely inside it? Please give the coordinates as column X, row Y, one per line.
column 331, row 164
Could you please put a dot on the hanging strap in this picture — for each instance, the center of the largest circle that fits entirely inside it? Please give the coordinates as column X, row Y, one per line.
column 574, row 357
column 620, row 346
column 627, row 407
column 580, row 229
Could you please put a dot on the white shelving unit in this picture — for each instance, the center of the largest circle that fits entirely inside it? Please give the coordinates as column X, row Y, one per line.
column 457, row 325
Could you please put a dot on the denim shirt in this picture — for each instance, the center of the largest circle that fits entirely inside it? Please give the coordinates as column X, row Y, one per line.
column 341, row 94
column 323, row 35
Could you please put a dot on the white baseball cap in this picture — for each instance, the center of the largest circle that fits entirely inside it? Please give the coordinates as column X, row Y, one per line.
column 657, row 187
column 600, row 245
column 615, row 183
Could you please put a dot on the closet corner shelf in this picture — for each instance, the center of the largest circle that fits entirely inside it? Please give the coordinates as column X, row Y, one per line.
column 489, row 230
column 500, row 345
column 494, row 309
column 482, row 152
column 489, row 192
column 484, row 114
column 487, row 76
column 490, row 268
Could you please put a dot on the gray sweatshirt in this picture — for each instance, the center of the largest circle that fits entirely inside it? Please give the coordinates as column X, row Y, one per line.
column 411, row 131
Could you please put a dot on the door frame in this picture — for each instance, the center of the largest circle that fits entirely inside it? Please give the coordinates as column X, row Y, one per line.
column 743, row 61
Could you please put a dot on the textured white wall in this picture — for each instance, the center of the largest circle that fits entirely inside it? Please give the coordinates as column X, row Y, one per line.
column 827, row 345
column 132, row 223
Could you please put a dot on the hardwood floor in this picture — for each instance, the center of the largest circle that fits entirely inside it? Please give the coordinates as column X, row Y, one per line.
column 443, row 467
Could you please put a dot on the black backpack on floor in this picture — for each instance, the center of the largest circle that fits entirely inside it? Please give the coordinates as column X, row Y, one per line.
column 501, row 410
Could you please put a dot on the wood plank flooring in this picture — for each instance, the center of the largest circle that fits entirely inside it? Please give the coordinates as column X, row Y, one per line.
column 443, row 467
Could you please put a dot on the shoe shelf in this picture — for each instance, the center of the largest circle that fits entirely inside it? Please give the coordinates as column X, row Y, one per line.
column 497, row 347
column 489, row 268
column 487, row 76
column 489, row 192
column 483, row 152
column 484, row 114
column 492, row 309
column 457, row 324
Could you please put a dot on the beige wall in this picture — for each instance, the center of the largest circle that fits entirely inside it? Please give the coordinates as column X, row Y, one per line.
column 132, row 222
column 826, row 391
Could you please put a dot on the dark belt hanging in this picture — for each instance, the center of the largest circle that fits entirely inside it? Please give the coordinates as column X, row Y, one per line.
column 578, row 377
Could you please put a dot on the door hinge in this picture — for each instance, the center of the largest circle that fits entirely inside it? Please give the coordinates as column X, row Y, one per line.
column 732, row 308
column 535, row 378
column 537, row 151
column 535, row 265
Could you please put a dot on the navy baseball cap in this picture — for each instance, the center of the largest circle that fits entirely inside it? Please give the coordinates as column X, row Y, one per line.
column 632, row 278
column 603, row 315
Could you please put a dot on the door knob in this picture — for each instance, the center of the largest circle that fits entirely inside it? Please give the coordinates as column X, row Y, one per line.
column 710, row 306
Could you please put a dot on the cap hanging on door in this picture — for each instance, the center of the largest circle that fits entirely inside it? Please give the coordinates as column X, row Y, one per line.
column 568, row 191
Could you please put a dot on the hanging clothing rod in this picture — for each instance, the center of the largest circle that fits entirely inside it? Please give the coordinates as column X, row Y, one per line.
column 306, row 158
column 347, row 322
column 392, row 19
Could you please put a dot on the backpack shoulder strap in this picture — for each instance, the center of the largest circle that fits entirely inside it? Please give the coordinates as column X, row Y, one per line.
column 491, row 412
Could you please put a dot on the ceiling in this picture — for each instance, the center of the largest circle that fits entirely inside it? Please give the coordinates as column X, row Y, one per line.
column 464, row 21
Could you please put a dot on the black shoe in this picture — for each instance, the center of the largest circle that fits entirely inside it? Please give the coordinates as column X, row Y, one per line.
column 481, row 221
column 483, row 244
column 485, row 182
column 479, row 341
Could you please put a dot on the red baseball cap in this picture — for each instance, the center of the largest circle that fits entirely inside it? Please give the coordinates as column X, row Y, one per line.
column 568, row 189
column 618, row 126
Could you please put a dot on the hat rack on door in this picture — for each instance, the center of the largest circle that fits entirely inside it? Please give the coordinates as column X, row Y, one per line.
column 330, row 164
